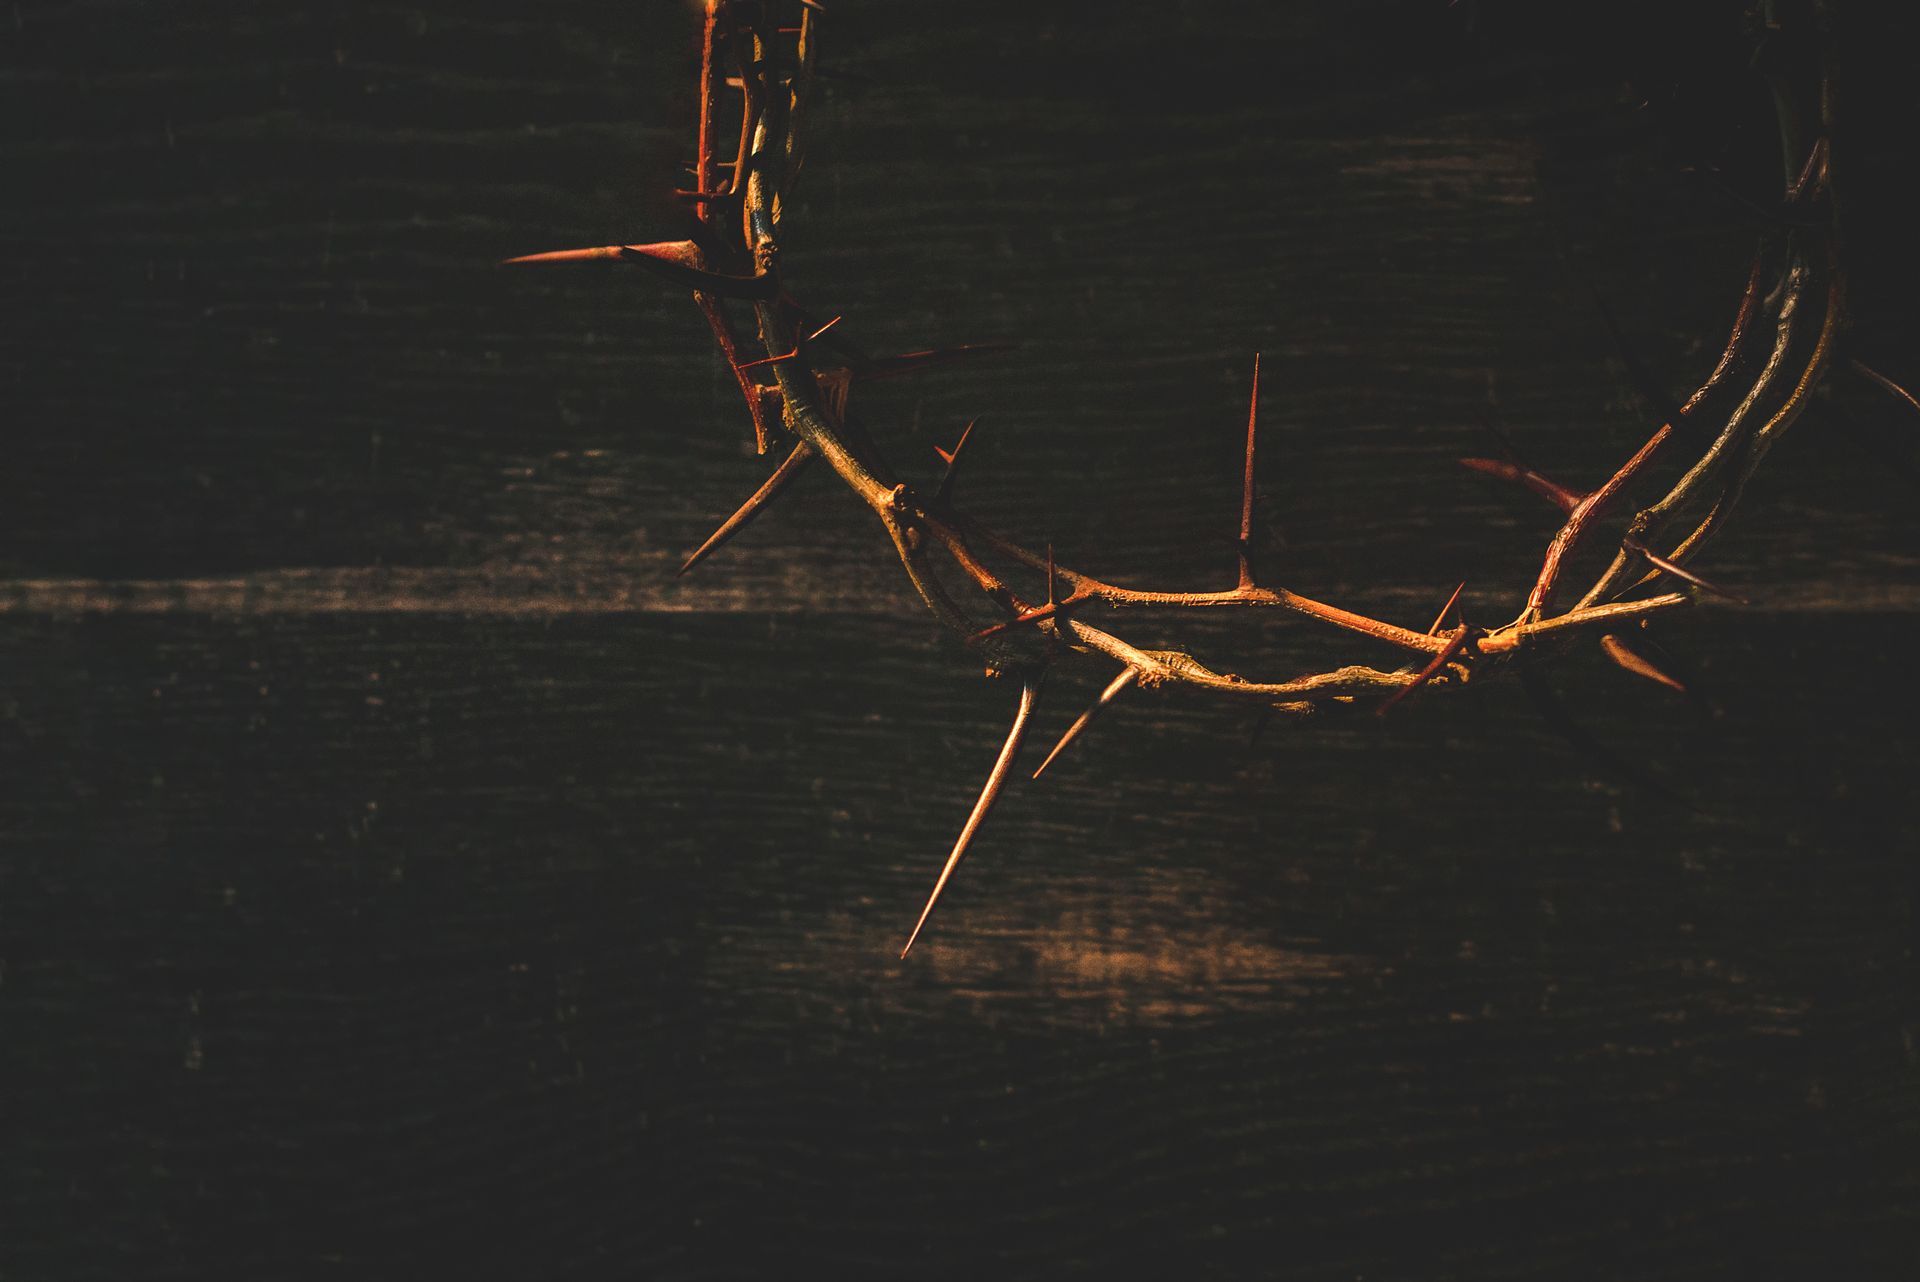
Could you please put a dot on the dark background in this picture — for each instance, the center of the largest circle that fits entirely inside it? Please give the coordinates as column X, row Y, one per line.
column 401, row 873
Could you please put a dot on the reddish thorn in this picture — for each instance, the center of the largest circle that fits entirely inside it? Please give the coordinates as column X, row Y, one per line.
column 1462, row 635
column 1447, row 609
column 1246, row 492
column 1039, row 614
column 823, row 329
column 682, row 261
column 996, row 782
column 790, row 467
column 677, row 260
column 567, row 255
column 1884, row 383
column 952, row 461
column 1638, row 664
column 1050, row 600
column 766, row 360
column 1679, row 571
column 1108, row 695
column 1558, row 495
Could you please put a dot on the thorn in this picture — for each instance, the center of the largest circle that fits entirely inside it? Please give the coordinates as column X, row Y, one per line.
column 996, row 782
column 1246, row 491
column 839, row 341
column 787, row 356
column 677, row 260
column 1039, row 614
column 1884, row 383
column 790, row 467
column 1447, row 609
column 766, row 360
column 1462, row 635
column 1050, row 600
column 1126, row 678
column 566, row 255
column 1678, row 571
column 1547, row 488
column 1636, row 663
column 952, row 460
column 681, row 261
column 1813, row 174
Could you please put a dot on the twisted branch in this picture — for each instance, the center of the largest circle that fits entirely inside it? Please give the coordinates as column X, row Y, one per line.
column 765, row 51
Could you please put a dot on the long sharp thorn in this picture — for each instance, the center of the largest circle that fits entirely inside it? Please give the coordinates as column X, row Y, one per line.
column 1446, row 609
column 677, row 260
column 1050, row 597
column 1463, row 635
column 1246, row 489
column 681, row 261
column 996, row 783
column 1547, row 488
column 790, row 467
column 952, row 460
column 1884, row 383
column 1074, row 731
column 1631, row 660
column 1678, row 571
column 567, row 255
column 1039, row 614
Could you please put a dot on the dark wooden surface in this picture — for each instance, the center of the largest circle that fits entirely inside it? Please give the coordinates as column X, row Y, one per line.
column 401, row 873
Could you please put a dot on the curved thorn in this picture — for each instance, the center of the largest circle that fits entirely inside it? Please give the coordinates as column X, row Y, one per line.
column 1678, row 571
column 1446, row 609
column 996, row 783
column 1630, row 660
column 1884, row 383
column 1126, row 678
column 790, row 467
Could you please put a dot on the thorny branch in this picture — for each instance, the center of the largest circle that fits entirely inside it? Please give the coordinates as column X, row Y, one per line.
column 757, row 74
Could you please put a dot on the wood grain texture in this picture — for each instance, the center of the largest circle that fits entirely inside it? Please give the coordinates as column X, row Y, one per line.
column 399, row 873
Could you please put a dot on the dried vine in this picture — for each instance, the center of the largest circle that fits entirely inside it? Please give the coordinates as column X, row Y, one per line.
column 756, row 84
